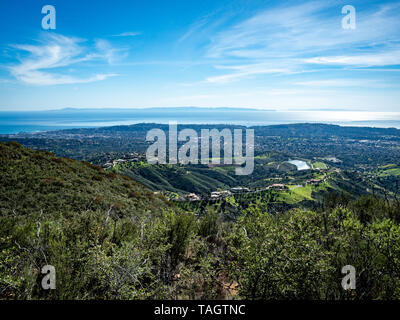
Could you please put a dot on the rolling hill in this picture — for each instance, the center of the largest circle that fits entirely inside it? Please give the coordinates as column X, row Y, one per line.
column 34, row 181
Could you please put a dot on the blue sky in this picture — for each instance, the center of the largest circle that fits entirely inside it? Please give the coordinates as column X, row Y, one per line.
column 282, row 55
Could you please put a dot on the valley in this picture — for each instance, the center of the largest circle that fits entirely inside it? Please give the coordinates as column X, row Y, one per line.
column 299, row 162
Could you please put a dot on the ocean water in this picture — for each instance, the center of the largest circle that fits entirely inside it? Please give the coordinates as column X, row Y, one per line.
column 33, row 121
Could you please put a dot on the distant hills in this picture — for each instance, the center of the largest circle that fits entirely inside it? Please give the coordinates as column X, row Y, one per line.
column 294, row 129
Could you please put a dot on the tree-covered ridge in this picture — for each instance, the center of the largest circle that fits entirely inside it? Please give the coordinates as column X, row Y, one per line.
column 33, row 181
column 106, row 235
column 145, row 248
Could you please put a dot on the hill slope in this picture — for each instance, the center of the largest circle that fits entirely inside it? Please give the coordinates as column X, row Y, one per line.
column 31, row 181
column 105, row 234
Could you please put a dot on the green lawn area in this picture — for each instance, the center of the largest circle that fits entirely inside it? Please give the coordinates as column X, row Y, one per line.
column 296, row 194
column 303, row 192
column 319, row 165
column 388, row 166
column 389, row 170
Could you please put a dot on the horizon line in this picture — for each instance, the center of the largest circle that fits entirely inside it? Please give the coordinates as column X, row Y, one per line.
column 192, row 107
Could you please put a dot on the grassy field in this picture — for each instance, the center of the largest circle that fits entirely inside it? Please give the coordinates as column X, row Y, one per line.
column 389, row 170
column 296, row 194
column 319, row 165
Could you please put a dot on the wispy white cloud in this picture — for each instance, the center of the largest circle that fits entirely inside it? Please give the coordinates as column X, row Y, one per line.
column 194, row 28
column 297, row 38
column 42, row 78
column 307, row 28
column 380, row 59
column 241, row 71
column 104, row 50
column 43, row 63
column 127, row 34
column 266, row 34
column 336, row 83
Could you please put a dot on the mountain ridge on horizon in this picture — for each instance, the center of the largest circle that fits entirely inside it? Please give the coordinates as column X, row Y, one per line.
column 180, row 108
column 289, row 126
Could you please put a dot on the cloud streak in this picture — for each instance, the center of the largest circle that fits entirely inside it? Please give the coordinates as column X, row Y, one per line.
column 381, row 59
column 127, row 34
column 249, row 70
column 45, row 63
column 298, row 38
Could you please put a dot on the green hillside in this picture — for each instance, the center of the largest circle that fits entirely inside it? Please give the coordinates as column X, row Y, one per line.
column 32, row 181
column 182, row 179
column 108, row 237
column 91, row 225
